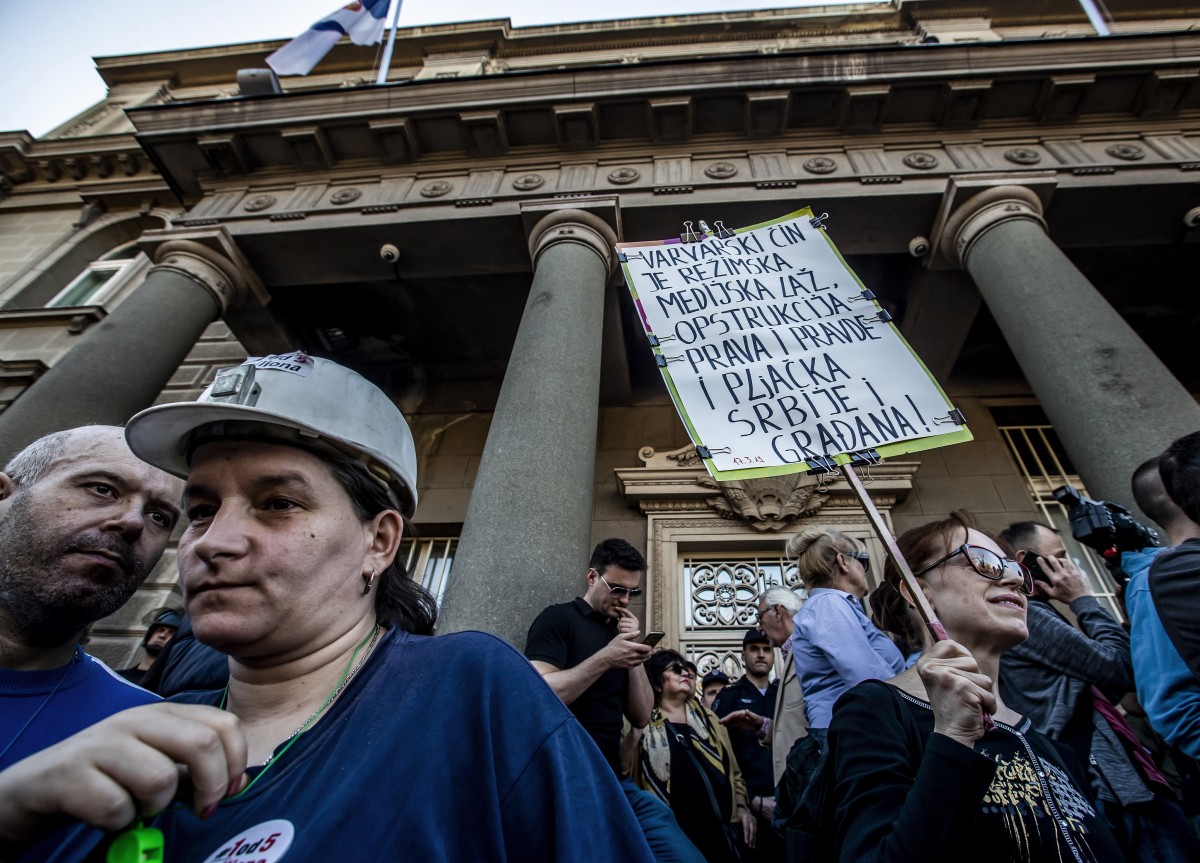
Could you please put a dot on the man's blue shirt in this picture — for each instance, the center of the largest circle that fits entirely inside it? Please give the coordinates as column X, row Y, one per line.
column 41, row 708
column 1166, row 688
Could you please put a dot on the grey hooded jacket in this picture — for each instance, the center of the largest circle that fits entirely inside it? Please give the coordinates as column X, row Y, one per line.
column 1047, row 678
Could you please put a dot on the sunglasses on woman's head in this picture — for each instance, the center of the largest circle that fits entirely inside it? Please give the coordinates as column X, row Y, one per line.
column 990, row 565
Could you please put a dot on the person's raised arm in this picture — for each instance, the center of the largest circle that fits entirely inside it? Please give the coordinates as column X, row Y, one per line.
column 1099, row 653
column 130, row 764
column 894, row 804
column 570, row 683
column 639, row 700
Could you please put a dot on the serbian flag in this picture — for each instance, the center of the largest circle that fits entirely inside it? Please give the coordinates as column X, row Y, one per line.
column 362, row 22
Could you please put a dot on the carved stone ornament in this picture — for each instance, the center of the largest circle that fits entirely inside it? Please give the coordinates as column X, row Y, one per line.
column 766, row 504
column 259, row 202
column 820, row 165
column 1023, row 156
column 529, row 182
column 720, row 170
column 1128, row 152
column 435, row 189
column 921, row 161
column 685, row 456
column 624, row 176
column 345, row 196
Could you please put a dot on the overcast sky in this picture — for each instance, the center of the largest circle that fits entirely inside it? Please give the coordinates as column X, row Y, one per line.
column 46, row 58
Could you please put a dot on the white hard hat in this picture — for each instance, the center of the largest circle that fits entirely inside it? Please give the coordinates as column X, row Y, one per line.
column 310, row 402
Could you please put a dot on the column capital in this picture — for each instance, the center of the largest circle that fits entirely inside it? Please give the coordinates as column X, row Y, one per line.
column 982, row 212
column 211, row 259
column 574, row 226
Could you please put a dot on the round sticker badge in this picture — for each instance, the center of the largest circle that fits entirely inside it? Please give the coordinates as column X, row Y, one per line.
column 262, row 843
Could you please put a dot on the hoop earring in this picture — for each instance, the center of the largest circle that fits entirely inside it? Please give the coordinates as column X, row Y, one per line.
column 370, row 582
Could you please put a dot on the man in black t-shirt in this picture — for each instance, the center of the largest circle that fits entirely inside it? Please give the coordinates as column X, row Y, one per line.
column 588, row 650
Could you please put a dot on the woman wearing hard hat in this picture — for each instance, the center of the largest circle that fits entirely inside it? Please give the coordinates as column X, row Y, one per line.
column 345, row 731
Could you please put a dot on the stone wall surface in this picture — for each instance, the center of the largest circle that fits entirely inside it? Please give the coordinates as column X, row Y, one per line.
column 25, row 236
column 116, row 639
column 979, row 476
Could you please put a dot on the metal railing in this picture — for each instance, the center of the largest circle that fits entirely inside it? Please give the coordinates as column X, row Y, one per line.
column 1045, row 466
column 428, row 561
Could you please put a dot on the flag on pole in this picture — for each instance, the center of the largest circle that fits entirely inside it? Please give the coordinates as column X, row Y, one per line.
column 362, row 22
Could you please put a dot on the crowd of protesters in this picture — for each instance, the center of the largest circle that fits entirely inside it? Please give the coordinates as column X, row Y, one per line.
column 313, row 715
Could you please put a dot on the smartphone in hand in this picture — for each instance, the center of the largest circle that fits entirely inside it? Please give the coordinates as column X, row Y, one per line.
column 652, row 638
column 1035, row 569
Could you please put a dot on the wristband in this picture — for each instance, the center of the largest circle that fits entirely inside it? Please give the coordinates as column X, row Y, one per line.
column 764, row 729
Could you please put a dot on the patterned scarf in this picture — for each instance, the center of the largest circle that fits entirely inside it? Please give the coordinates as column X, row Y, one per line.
column 652, row 770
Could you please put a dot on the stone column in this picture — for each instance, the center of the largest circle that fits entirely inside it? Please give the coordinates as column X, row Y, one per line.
column 121, row 364
column 1111, row 400
column 527, row 534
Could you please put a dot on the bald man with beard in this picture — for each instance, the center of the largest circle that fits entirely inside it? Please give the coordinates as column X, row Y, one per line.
column 82, row 523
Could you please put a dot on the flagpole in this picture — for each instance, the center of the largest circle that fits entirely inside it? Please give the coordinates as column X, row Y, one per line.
column 1095, row 17
column 386, row 62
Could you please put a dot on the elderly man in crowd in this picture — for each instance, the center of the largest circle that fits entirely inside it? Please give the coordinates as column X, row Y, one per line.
column 776, row 608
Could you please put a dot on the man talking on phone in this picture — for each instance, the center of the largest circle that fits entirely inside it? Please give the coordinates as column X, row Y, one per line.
column 1067, row 681
column 591, row 652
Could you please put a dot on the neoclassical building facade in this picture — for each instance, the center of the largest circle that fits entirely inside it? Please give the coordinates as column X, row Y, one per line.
column 1021, row 194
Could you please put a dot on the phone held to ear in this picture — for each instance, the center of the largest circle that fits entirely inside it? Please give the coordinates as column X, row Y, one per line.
column 1035, row 569
column 652, row 638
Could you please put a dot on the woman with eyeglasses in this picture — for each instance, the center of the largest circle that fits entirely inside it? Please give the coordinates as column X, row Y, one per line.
column 835, row 646
column 932, row 765
column 685, row 758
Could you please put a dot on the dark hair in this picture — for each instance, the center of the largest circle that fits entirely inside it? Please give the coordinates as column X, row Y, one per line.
column 1180, row 468
column 1021, row 534
column 398, row 599
column 903, row 627
column 618, row 552
column 920, row 546
column 1150, row 494
column 657, row 664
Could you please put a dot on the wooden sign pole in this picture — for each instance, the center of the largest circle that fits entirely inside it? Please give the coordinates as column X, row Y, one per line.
column 906, row 573
column 893, row 551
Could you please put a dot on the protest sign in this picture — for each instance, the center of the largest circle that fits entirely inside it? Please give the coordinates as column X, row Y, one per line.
column 775, row 353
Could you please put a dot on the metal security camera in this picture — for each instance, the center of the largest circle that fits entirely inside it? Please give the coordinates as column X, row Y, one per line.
column 389, row 253
column 918, row 247
column 1192, row 217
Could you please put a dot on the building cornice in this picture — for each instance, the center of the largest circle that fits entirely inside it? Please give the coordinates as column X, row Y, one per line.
column 112, row 168
column 790, row 98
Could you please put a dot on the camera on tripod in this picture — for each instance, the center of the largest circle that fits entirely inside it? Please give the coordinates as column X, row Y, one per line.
column 1104, row 526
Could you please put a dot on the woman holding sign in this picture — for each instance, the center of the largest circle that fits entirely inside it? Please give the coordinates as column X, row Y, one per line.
column 932, row 765
column 835, row 645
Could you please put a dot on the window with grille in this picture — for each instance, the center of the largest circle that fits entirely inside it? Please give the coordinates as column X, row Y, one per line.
column 1045, row 466
column 428, row 562
column 98, row 281
column 723, row 591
